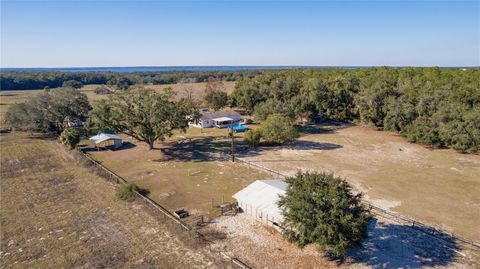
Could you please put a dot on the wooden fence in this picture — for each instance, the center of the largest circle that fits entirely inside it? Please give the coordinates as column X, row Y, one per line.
column 428, row 229
column 190, row 227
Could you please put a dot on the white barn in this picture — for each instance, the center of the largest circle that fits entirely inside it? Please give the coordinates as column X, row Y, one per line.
column 217, row 119
column 260, row 198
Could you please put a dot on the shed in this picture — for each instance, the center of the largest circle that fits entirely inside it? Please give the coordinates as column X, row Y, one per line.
column 260, row 199
column 106, row 140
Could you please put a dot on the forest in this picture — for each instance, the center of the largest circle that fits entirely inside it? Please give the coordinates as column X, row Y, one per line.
column 436, row 107
column 39, row 80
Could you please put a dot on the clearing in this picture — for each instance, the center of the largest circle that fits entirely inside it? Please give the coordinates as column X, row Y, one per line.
column 438, row 187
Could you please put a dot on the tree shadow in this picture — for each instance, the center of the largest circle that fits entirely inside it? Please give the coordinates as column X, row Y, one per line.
column 312, row 145
column 126, row 145
column 327, row 127
column 199, row 149
column 401, row 246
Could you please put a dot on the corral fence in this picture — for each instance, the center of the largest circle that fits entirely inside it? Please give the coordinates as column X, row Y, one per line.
column 443, row 235
column 190, row 227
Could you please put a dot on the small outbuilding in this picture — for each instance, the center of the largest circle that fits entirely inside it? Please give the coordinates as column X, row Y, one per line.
column 260, row 199
column 107, row 140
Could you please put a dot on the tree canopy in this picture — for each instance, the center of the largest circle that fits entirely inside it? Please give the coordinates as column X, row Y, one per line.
column 320, row 208
column 215, row 95
column 277, row 129
column 48, row 111
column 432, row 106
column 143, row 114
column 70, row 137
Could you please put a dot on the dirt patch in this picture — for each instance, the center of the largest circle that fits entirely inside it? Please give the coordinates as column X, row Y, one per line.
column 390, row 245
column 438, row 187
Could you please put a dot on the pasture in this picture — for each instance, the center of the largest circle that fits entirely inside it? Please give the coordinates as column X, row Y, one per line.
column 186, row 171
column 438, row 187
column 56, row 214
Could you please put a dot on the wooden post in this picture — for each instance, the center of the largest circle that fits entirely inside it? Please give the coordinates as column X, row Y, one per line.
column 233, row 142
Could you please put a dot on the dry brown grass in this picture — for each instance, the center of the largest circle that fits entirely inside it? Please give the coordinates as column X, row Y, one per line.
column 56, row 214
column 186, row 176
column 438, row 187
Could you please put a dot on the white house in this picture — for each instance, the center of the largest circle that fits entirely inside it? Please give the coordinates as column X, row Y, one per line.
column 219, row 119
column 107, row 140
column 260, row 198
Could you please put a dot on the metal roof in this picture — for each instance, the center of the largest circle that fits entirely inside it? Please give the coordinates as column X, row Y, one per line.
column 264, row 195
column 218, row 114
column 223, row 119
column 103, row 137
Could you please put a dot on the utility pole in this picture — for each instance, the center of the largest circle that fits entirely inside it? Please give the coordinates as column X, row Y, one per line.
column 233, row 142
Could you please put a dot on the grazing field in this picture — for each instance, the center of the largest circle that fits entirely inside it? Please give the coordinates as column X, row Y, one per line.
column 438, row 187
column 56, row 214
column 195, row 90
column 182, row 172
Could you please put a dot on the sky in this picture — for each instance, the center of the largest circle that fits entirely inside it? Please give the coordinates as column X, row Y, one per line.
column 231, row 33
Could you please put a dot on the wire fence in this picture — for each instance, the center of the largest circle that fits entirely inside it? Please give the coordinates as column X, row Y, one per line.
column 190, row 228
column 428, row 229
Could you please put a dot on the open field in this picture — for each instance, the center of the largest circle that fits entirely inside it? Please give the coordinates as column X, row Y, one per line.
column 438, row 187
column 195, row 90
column 182, row 173
column 56, row 214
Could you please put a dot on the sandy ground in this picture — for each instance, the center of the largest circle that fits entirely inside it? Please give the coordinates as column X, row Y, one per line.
column 390, row 245
column 438, row 187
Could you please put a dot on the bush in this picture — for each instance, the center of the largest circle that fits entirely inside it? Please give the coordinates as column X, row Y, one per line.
column 126, row 191
column 278, row 129
column 321, row 208
column 253, row 137
column 70, row 137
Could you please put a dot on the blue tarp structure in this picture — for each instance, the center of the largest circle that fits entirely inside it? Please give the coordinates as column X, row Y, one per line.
column 238, row 128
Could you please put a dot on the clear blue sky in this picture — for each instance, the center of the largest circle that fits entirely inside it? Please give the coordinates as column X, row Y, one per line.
column 162, row 33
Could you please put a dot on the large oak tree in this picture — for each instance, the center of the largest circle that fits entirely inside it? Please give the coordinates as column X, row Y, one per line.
column 143, row 114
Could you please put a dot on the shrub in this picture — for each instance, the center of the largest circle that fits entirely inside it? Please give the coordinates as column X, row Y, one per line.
column 278, row 129
column 126, row 191
column 70, row 137
column 321, row 208
column 253, row 137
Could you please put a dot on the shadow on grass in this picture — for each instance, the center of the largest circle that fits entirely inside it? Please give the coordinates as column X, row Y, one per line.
column 211, row 148
column 400, row 246
column 327, row 127
column 126, row 145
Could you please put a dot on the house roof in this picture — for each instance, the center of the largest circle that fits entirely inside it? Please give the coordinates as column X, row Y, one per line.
column 103, row 137
column 264, row 195
column 219, row 114
column 223, row 119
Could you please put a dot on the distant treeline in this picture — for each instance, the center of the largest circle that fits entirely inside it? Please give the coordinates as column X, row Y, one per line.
column 40, row 80
column 432, row 106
